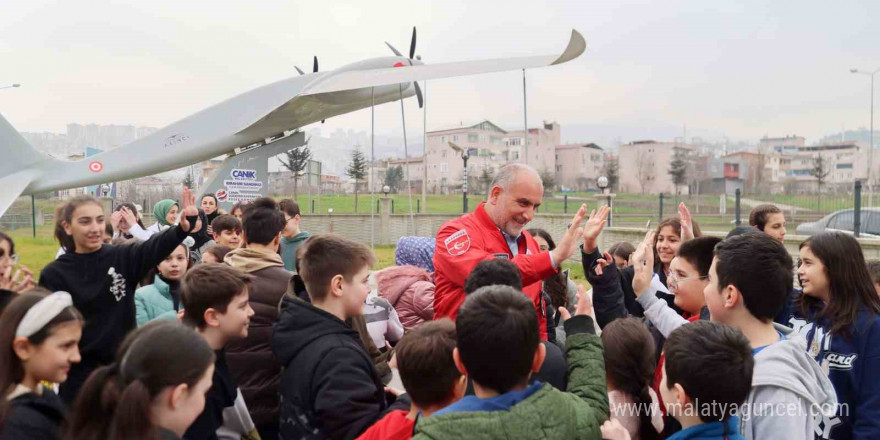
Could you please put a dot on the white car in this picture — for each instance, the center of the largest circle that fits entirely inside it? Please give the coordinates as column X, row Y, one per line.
column 843, row 221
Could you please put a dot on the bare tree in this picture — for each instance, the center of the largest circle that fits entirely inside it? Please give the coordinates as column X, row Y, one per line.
column 549, row 181
column 820, row 171
column 611, row 170
column 758, row 176
column 678, row 169
column 486, row 178
column 644, row 171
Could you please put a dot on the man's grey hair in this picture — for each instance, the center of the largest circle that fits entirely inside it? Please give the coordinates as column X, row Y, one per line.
column 507, row 174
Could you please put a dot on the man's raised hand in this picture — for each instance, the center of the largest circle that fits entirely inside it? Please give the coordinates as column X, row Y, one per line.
column 565, row 248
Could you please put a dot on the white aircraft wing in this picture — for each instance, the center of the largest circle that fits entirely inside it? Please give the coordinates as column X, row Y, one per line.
column 396, row 75
column 335, row 93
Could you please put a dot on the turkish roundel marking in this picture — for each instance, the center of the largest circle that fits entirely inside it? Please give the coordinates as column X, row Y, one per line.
column 458, row 243
column 96, row 167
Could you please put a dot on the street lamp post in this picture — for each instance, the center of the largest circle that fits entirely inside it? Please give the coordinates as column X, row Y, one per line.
column 871, row 139
column 464, row 157
column 330, row 215
column 602, row 183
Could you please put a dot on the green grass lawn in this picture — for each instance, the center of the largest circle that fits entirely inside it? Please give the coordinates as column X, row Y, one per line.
column 633, row 210
column 35, row 252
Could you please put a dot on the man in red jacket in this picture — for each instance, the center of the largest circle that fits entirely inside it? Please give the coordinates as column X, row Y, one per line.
column 495, row 230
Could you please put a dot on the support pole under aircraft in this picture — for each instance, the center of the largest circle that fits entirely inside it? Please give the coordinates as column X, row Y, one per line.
column 372, row 167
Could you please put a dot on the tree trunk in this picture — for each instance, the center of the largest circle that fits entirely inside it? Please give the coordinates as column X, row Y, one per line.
column 294, row 187
column 355, row 196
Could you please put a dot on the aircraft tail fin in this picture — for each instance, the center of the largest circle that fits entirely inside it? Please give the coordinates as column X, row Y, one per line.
column 11, row 187
column 17, row 153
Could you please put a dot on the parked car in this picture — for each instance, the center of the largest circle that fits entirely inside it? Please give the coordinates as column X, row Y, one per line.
column 843, row 221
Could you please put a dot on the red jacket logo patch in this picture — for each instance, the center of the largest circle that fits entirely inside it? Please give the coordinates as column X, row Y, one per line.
column 458, row 243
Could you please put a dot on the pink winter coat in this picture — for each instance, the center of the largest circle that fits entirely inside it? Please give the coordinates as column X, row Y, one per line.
column 410, row 290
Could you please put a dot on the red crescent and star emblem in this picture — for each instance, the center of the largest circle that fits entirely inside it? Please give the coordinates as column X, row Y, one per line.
column 458, row 243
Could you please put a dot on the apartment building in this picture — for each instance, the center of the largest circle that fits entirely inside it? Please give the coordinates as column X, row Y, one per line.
column 488, row 147
column 578, row 166
column 644, row 167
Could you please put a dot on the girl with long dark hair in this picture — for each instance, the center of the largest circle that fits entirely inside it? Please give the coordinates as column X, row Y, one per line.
column 102, row 278
column 210, row 206
column 154, row 391
column 842, row 332
column 629, row 370
column 127, row 223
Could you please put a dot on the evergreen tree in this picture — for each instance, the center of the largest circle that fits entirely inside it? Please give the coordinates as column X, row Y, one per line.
column 357, row 170
column 188, row 180
column 393, row 177
column 296, row 161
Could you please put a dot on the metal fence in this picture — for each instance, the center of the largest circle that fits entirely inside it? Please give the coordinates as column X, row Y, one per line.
column 712, row 212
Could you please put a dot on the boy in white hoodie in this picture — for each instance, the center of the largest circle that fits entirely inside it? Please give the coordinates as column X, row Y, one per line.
column 749, row 281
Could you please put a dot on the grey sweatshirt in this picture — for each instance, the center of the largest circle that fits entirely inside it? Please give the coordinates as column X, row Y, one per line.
column 787, row 385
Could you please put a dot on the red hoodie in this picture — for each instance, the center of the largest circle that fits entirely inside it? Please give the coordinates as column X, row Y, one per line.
column 394, row 426
column 658, row 372
column 464, row 242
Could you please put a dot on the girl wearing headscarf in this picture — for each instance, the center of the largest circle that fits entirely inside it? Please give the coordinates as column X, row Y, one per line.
column 165, row 212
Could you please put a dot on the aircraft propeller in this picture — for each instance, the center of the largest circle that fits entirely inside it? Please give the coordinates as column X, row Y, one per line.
column 412, row 55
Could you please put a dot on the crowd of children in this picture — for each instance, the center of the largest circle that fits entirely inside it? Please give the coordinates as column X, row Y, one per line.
column 208, row 325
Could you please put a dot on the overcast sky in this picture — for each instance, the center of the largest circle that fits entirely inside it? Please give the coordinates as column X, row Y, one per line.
column 737, row 68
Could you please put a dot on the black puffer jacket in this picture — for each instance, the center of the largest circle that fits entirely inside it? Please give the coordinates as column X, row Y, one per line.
column 613, row 297
column 329, row 387
column 34, row 417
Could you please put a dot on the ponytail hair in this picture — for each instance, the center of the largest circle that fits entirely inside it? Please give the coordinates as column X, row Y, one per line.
column 11, row 368
column 629, row 366
column 64, row 214
column 115, row 401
